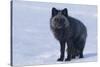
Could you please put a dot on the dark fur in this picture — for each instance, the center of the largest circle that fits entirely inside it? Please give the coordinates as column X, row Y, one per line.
column 68, row 30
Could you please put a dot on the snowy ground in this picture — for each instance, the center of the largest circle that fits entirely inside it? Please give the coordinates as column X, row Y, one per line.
column 33, row 41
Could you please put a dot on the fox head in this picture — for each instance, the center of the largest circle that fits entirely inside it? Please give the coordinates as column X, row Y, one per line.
column 59, row 18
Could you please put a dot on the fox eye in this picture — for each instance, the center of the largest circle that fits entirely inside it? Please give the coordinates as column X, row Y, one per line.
column 56, row 19
column 59, row 20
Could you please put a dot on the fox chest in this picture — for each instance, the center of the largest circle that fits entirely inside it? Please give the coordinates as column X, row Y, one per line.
column 62, row 34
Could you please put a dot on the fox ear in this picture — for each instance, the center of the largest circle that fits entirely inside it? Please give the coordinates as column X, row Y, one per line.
column 65, row 12
column 54, row 11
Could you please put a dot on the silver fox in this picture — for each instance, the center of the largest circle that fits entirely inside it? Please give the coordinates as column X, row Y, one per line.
column 67, row 29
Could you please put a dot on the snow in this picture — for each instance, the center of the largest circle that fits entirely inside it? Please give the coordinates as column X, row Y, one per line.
column 33, row 41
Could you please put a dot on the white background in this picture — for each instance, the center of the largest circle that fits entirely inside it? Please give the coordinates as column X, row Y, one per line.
column 33, row 41
column 5, row 32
